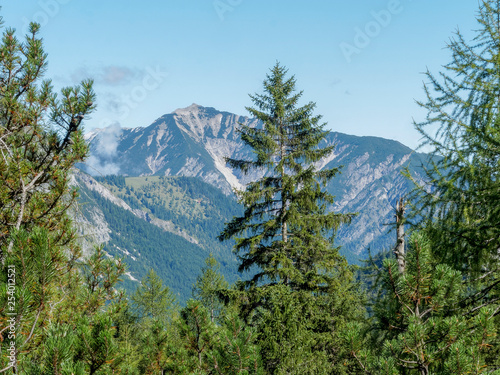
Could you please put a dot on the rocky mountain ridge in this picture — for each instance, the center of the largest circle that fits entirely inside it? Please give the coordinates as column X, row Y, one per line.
column 195, row 140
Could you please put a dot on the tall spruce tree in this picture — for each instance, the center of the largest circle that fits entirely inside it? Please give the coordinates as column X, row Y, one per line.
column 285, row 237
column 286, row 231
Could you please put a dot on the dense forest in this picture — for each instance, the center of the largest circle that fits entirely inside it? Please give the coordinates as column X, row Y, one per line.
column 431, row 305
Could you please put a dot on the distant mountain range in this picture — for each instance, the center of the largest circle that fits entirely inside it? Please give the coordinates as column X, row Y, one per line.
column 192, row 142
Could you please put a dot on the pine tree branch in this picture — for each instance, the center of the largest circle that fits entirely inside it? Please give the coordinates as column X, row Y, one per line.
column 33, row 326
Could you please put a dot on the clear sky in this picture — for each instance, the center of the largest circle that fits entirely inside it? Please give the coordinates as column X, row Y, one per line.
column 361, row 61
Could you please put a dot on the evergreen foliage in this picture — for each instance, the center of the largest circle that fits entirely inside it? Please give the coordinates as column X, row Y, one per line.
column 199, row 335
column 418, row 326
column 236, row 352
column 42, row 290
column 300, row 312
column 286, row 236
column 283, row 229
column 209, row 284
column 152, row 299
column 154, row 350
column 459, row 204
column 463, row 185
column 40, row 140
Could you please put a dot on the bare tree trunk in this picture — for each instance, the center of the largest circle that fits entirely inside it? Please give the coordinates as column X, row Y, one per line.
column 400, row 233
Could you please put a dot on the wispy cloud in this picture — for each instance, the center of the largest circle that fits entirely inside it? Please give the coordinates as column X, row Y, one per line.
column 121, row 103
column 109, row 140
column 117, row 75
column 112, row 102
column 109, row 75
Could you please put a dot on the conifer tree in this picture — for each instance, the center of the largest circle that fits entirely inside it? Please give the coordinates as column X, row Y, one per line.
column 100, row 275
column 129, row 339
column 152, row 300
column 236, row 352
column 285, row 225
column 60, row 322
column 65, row 307
column 459, row 203
column 95, row 345
column 418, row 326
column 285, row 237
column 198, row 336
column 464, row 104
column 154, row 346
column 208, row 285
column 154, row 305
column 40, row 141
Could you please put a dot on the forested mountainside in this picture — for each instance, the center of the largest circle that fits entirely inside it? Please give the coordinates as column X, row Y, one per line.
column 161, row 223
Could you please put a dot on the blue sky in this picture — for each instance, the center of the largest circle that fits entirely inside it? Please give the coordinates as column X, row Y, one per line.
column 361, row 61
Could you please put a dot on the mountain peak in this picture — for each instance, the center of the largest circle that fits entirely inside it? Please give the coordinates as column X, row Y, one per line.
column 201, row 122
column 192, row 108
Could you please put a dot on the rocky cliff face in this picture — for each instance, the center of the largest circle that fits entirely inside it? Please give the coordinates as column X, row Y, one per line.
column 188, row 142
column 195, row 140
column 370, row 183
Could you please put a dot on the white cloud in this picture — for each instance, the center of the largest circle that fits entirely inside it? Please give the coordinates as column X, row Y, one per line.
column 98, row 167
column 108, row 140
column 117, row 75
column 104, row 151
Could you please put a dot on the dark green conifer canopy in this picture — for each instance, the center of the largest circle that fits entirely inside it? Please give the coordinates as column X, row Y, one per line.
column 286, row 230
